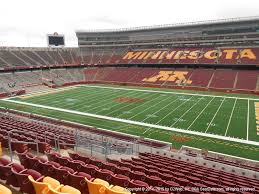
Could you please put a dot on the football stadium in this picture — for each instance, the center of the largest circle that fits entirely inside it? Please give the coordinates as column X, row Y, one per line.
column 168, row 109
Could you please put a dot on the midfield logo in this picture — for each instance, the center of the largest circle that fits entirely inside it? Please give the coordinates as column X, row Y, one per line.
column 179, row 77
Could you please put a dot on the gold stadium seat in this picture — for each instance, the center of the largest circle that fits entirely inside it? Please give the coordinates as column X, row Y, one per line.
column 39, row 187
column 102, row 182
column 52, row 182
column 55, row 191
column 63, row 190
column 4, row 190
column 70, row 190
column 117, row 190
column 44, row 186
column 97, row 186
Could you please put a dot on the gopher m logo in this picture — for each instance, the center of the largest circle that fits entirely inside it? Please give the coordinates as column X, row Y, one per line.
column 172, row 76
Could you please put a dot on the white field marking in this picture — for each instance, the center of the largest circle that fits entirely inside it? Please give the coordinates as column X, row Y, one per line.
column 152, row 115
column 168, row 114
column 103, row 129
column 167, row 92
column 159, row 111
column 137, row 123
column 53, row 98
column 44, row 92
column 89, row 102
column 230, row 117
column 47, row 92
column 174, row 110
column 247, row 123
column 155, row 104
column 91, row 98
column 105, row 99
column 162, row 108
column 67, row 106
column 108, row 97
column 60, row 101
column 200, row 113
column 130, row 104
column 77, row 95
column 122, row 106
column 106, row 94
column 126, row 112
column 186, row 112
column 215, row 115
column 105, row 108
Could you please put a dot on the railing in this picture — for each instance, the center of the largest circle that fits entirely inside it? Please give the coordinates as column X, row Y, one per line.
column 209, row 164
column 102, row 144
column 10, row 141
column 92, row 143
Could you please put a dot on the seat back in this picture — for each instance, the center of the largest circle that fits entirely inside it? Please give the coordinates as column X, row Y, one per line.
column 23, row 159
column 11, row 179
column 77, row 180
column 117, row 190
column 23, row 181
column 5, row 190
column 5, row 171
column 53, row 183
column 55, row 191
column 120, row 180
column 74, row 156
column 98, row 187
column 39, row 187
column 62, row 175
column 70, row 190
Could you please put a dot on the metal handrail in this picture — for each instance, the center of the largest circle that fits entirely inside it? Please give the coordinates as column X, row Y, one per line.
column 24, row 142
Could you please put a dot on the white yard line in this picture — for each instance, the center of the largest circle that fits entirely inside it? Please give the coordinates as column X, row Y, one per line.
column 162, row 108
column 186, row 112
column 168, row 114
column 200, row 113
column 90, row 100
column 230, row 117
column 149, row 106
column 104, row 101
column 173, row 110
column 127, row 104
column 75, row 96
column 167, row 92
column 137, row 96
column 138, row 123
column 44, row 97
column 46, row 91
column 214, row 115
column 247, row 123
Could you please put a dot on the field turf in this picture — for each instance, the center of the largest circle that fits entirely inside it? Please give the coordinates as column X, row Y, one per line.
column 202, row 120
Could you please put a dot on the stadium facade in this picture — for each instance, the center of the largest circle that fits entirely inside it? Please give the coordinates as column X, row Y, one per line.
column 213, row 39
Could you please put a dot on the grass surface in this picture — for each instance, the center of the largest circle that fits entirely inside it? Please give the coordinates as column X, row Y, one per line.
column 227, row 115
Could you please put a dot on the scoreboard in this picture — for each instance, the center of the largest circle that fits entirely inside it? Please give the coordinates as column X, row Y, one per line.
column 56, row 40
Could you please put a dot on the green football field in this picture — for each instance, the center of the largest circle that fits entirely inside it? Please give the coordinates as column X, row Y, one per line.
column 218, row 122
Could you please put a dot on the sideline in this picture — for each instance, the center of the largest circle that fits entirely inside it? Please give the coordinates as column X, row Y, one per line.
column 139, row 123
column 168, row 92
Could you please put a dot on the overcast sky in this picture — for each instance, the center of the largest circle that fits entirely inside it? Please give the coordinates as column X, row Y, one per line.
column 26, row 22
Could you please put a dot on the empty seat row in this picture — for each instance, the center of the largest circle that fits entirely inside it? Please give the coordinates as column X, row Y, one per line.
column 33, row 182
column 51, row 128
column 172, row 77
column 34, row 57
